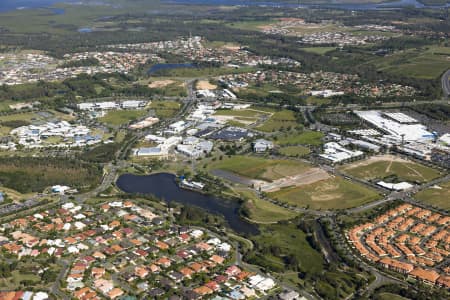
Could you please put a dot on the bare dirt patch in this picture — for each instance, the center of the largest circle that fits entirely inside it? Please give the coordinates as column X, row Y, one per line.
column 386, row 157
column 308, row 177
column 205, row 85
column 231, row 47
column 160, row 83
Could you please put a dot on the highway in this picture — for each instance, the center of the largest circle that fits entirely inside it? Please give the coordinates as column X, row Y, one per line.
column 445, row 80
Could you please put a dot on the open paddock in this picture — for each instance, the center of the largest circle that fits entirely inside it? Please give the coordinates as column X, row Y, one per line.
column 332, row 193
column 382, row 166
column 259, row 168
column 438, row 196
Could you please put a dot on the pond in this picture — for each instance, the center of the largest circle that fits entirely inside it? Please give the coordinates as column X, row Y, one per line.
column 164, row 186
column 85, row 30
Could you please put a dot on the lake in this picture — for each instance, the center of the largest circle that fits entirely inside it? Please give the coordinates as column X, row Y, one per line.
column 159, row 67
column 164, row 187
column 8, row 5
column 349, row 6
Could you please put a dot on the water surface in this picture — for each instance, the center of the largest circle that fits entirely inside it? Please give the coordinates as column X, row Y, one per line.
column 164, row 187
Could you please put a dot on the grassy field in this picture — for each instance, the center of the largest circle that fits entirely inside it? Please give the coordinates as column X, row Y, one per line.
column 175, row 89
column 241, row 118
column 334, row 193
column 403, row 170
column 283, row 119
column 428, row 62
column 290, row 241
column 389, row 296
column 121, row 117
column 318, row 50
column 14, row 120
column 249, row 25
column 36, row 116
column 260, row 168
column 294, row 151
column 436, row 196
column 165, row 109
column 313, row 138
column 33, row 174
column 248, row 113
column 202, row 72
column 263, row 211
column 14, row 281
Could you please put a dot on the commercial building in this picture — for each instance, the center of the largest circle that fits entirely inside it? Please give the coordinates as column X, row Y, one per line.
column 262, row 145
column 404, row 132
column 335, row 153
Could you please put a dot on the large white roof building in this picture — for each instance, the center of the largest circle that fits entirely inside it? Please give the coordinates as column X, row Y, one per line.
column 407, row 132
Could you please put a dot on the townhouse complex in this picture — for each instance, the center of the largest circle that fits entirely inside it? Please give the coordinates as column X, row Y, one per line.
column 408, row 240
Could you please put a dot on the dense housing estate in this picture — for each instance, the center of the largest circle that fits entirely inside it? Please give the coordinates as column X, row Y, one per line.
column 121, row 244
column 409, row 240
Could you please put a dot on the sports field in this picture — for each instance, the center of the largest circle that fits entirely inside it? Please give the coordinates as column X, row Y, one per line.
column 379, row 167
column 261, row 168
column 438, row 196
column 333, row 193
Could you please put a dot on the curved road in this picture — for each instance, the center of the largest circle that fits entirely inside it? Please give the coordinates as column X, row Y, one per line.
column 445, row 80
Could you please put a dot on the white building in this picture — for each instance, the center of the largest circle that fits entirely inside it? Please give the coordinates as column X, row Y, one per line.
column 401, row 186
column 60, row 189
column 195, row 147
column 335, row 153
column 326, row 93
column 401, row 131
column 262, row 145
column 133, row 104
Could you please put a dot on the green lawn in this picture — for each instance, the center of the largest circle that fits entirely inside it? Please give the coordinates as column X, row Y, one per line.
column 334, row 193
column 249, row 113
column 283, row 119
column 437, row 196
column 389, row 296
column 313, row 138
column 263, row 211
column 260, row 168
column 294, row 151
column 18, row 117
column 404, row 171
column 17, row 276
column 165, row 109
column 121, row 117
